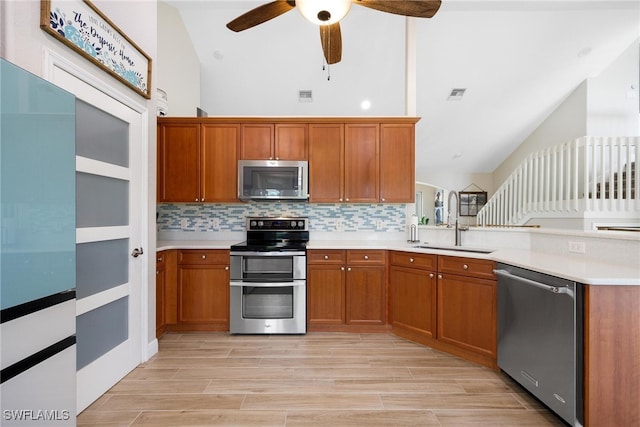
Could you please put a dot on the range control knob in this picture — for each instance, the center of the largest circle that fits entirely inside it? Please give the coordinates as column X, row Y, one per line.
column 293, row 224
column 300, row 224
column 260, row 223
column 252, row 224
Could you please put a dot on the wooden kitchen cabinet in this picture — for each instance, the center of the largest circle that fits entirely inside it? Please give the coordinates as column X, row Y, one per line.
column 397, row 163
column 197, row 163
column 203, row 290
column 268, row 141
column 466, row 310
column 326, row 163
column 346, row 290
column 413, row 285
column 178, row 162
column 361, row 163
column 161, row 318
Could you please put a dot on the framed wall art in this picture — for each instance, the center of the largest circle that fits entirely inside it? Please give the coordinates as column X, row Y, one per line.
column 471, row 202
column 81, row 26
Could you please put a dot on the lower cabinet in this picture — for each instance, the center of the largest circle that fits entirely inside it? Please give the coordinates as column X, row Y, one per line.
column 346, row 290
column 161, row 318
column 203, row 290
column 412, row 283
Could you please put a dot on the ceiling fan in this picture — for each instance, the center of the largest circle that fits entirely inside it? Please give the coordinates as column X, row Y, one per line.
column 327, row 15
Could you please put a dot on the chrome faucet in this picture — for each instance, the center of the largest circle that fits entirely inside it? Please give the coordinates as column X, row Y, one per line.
column 458, row 228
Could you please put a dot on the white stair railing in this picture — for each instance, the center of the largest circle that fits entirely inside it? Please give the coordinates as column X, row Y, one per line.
column 589, row 174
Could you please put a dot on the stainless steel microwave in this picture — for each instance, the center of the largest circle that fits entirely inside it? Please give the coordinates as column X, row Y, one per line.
column 273, row 180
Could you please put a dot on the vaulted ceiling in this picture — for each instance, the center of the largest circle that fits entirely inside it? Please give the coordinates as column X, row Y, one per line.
column 517, row 59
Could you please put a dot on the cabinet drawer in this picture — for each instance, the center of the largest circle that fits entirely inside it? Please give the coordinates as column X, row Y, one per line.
column 366, row 257
column 480, row 268
column 413, row 260
column 325, row 256
column 200, row 257
column 160, row 259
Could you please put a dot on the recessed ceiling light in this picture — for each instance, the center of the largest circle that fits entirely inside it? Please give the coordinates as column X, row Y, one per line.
column 456, row 94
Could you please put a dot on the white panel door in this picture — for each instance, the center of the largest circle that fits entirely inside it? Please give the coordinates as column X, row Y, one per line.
column 109, row 312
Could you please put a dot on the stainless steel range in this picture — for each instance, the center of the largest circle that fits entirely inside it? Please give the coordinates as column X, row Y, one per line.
column 268, row 278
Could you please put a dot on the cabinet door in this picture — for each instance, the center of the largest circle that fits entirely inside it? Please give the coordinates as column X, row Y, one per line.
column 413, row 300
column 160, row 295
column 397, row 163
column 467, row 313
column 257, row 142
column 179, row 167
column 203, row 294
column 362, row 168
column 220, row 162
column 366, row 295
column 291, row 141
column 326, row 163
column 325, row 295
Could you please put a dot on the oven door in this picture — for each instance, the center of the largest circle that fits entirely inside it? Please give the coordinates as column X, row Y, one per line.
column 268, row 308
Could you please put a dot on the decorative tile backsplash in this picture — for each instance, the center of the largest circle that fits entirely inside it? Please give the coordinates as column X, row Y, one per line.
column 322, row 217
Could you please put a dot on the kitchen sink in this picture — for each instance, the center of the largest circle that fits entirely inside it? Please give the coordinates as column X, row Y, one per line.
column 455, row 248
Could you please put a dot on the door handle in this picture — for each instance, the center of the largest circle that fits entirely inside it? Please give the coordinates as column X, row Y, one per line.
column 137, row 252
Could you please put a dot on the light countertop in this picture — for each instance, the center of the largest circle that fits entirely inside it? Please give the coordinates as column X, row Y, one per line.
column 572, row 267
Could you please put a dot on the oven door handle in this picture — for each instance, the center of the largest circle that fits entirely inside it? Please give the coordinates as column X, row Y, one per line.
column 271, row 253
column 268, row 284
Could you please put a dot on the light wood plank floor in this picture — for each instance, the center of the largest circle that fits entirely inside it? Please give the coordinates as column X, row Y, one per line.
column 318, row 379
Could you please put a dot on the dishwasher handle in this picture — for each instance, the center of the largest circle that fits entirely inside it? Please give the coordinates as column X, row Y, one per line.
column 552, row 289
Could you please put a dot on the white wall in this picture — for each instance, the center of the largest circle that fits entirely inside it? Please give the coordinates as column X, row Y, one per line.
column 178, row 64
column 613, row 107
column 598, row 107
column 23, row 43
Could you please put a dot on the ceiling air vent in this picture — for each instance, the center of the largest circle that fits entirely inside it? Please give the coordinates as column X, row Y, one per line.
column 305, row 96
column 456, row 94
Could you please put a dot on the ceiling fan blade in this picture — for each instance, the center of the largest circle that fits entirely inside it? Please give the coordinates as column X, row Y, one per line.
column 417, row 8
column 331, row 38
column 261, row 14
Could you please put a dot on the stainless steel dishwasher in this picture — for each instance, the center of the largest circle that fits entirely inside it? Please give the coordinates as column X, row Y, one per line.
column 540, row 338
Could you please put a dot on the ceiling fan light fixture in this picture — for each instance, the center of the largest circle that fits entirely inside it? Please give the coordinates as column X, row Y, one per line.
column 323, row 12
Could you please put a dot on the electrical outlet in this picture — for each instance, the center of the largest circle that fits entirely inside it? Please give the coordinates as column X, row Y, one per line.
column 379, row 224
column 339, row 226
column 215, row 223
column 577, row 247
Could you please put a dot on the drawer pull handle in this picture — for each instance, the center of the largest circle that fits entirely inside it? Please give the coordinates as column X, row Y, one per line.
column 366, row 257
column 411, row 259
column 326, row 257
column 465, row 266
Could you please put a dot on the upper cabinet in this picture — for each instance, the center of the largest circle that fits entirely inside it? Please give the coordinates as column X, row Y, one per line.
column 197, row 162
column 269, row 141
column 351, row 160
column 362, row 162
column 397, row 163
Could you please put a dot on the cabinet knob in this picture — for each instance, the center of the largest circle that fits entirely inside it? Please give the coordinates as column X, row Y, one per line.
column 439, row 276
column 347, row 199
column 326, row 257
column 196, row 199
column 340, row 199
column 157, row 272
column 411, row 260
column 383, row 199
column 431, row 275
column 349, row 269
column 341, row 268
column 159, row 259
column 366, row 257
column 202, row 200
column 204, row 257
column 226, row 267
column 465, row 266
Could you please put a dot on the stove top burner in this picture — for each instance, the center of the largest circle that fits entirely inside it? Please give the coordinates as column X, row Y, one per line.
column 275, row 235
